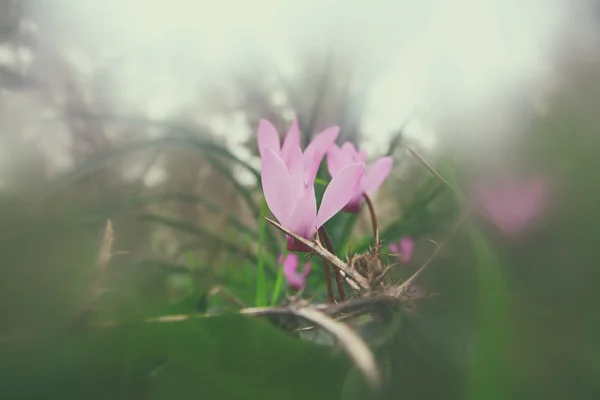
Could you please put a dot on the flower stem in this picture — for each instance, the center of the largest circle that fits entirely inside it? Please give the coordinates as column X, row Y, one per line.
column 328, row 281
column 324, row 237
column 373, row 222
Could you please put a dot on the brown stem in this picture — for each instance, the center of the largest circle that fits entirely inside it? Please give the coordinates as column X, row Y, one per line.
column 324, row 237
column 373, row 222
column 328, row 281
column 326, row 269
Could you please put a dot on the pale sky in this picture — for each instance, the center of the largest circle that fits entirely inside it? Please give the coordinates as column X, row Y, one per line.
column 446, row 59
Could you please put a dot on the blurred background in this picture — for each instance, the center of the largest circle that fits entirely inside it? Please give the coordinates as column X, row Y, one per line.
column 144, row 113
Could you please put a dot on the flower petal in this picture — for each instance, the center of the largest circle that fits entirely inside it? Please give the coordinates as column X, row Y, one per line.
column 349, row 148
column 267, row 137
column 407, row 246
column 290, row 272
column 340, row 191
column 311, row 167
column 295, row 166
column 375, row 176
column 334, row 160
column 291, row 141
column 303, row 220
column 355, row 202
column 317, row 148
column 277, row 186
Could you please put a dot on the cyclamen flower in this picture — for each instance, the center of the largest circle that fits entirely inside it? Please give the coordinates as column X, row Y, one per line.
column 511, row 205
column 338, row 158
column 313, row 154
column 291, row 197
column 295, row 279
column 404, row 248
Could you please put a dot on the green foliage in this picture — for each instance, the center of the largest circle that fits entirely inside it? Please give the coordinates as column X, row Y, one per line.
column 225, row 357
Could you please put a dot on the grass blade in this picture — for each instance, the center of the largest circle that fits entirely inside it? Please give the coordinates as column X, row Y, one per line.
column 261, row 289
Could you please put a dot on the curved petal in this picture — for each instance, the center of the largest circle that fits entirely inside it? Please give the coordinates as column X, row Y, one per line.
column 311, row 167
column 334, row 160
column 340, row 191
column 378, row 173
column 291, row 141
column 349, row 150
column 267, row 137
column 319, row 145
column 295, row 166
column 303, row 220
column 277, row 186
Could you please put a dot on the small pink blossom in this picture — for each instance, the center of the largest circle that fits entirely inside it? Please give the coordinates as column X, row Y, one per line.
column 404, row 248
column 512, row 204
column 268, row 137
column 338, row 158
column 296, row 280
column 290, row 195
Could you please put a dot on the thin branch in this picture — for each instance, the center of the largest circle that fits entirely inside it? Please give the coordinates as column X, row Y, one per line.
column 402, row 288
column 431, row 169
column 398, row 137
column 373, row 223
column 320, row 250
column 324, row 237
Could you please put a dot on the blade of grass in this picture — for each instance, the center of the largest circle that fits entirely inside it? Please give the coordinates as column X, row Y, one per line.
column 490, row 370
column 261, row 289
column 279, row 280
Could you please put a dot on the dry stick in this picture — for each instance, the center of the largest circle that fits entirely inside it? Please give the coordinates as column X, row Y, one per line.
column 350, row 341
column 323, row 252
column 399, row 290
column 373, row 222
column 423, row 161
column 233, row 298
column 324, row 237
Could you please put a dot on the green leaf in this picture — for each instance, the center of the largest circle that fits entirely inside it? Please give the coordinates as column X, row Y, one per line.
column 225, row 357
column 188, row 227
column 490, row 367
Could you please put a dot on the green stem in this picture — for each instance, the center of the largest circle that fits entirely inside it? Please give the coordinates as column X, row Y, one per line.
column 261, row 290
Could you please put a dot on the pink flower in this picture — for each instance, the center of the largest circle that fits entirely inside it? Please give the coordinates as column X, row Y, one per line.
column 405, row 248
column 313, row 154
column 295, row 279
column 290, row 195
column 338, row 158
column 511, row 204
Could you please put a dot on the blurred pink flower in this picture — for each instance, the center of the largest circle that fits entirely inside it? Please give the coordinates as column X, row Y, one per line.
column 290, row 194
column 313, row 154
column 512, row 204
column 338, row 158
column 295, row 279
column 404, row 248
